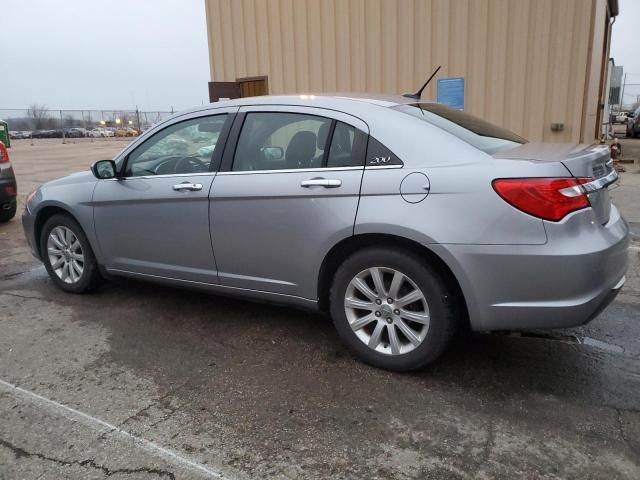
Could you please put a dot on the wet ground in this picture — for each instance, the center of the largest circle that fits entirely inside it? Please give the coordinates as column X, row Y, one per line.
column 142, row 381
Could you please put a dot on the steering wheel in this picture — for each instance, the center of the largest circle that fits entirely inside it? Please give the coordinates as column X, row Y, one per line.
column 195, row 165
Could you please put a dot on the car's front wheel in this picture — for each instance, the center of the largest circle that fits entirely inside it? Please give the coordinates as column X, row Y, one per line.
column 392, row 309
column 67, row 255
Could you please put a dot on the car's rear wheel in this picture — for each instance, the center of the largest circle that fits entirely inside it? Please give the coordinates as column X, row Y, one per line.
column 392, row 309
column 68, row 256
column 8, row 211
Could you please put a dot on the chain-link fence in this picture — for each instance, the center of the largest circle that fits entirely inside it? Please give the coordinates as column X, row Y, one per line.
column 41, row 122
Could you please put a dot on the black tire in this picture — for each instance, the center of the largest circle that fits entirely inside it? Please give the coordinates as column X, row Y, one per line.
column 6, row 215
column 90, row 277
column 439, row 295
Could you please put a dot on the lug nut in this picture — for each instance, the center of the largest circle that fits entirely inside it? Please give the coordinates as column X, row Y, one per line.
column 378, row 301
column 396, row 311
column 389, row 300
column 389, row 320
column 378, row 314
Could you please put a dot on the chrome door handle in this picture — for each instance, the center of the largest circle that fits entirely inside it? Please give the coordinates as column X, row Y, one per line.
column 321, row 182
column 187, row 186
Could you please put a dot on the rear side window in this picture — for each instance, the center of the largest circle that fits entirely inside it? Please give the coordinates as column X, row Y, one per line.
column 378, row 155
column 285, row 141
column 477, row 132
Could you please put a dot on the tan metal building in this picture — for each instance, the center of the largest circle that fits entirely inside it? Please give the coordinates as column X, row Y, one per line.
column 537, row 67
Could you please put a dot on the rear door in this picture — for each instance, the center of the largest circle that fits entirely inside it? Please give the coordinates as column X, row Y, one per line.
column 287, row 192
column 154, row 219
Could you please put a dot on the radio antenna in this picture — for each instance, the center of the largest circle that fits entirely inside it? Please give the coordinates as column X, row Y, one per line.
column 418, row 94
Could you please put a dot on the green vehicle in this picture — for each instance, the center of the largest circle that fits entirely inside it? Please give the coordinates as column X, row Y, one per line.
column 4, row 133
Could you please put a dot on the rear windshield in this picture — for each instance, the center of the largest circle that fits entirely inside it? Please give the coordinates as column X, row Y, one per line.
column 473, row 130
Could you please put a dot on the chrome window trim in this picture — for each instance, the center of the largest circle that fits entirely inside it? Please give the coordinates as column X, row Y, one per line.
column 292, row 170
column 383, row 167
column 166, row 175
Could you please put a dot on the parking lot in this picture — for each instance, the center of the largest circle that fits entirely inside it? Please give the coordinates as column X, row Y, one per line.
column 142, row 381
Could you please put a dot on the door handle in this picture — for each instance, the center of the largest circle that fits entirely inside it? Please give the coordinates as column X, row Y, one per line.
column 321, row 182
column 187, row 186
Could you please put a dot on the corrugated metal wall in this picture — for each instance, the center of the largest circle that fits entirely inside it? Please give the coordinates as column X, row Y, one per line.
column 525, row 62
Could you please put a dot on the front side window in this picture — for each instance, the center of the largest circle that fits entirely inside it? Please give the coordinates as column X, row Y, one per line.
column 477, row 132
column 278, row 141
column 185, row 147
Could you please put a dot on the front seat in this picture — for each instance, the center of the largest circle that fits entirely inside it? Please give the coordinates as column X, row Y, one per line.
column 301, row 150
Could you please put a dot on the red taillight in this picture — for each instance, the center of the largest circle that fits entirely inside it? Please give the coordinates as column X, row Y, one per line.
column 4, row 154
column 547, row 198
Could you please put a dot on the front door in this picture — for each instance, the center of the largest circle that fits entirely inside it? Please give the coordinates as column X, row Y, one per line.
column 286, row 195
column 154, row 219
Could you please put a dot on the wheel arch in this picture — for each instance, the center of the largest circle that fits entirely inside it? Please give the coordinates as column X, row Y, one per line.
column 342, row 250
column 44, row 214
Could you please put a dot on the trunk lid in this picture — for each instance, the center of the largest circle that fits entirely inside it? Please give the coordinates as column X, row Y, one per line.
column 580, row 160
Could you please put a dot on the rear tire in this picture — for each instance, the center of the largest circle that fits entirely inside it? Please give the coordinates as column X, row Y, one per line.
column 384, row 329
column 6, row 215
column 67, row 255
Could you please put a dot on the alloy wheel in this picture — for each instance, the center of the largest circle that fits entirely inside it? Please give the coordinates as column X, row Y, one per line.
column 387, row 310
column 65, row 254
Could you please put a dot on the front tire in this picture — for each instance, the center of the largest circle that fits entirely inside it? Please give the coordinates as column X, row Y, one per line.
column 67, row 255
column 392, row 309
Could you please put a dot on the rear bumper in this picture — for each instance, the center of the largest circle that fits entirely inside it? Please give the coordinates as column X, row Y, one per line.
column 563, row 283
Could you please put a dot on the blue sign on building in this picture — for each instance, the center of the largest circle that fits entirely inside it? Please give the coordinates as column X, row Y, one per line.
column 451, row 92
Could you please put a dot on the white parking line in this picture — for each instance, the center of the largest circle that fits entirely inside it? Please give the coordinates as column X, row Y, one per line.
column 152, row 448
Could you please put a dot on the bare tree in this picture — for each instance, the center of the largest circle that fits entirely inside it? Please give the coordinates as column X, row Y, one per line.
column 38, row 115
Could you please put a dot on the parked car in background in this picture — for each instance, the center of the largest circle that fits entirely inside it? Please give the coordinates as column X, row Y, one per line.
column 126, row 132
column 75, row 132
column 20, row 134
column 100, row 132
column 404, row 219
column 45, row 134
column 633, row 123
column 8, row 186
column 622, row 117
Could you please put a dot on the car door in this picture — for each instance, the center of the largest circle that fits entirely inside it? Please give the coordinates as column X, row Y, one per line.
column 287, row 192
column 154, row 218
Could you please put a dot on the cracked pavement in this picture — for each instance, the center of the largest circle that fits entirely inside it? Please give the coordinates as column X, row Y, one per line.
column 258, row 391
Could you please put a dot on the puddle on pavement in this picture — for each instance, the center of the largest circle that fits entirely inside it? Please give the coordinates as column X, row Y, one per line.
column 573, row 339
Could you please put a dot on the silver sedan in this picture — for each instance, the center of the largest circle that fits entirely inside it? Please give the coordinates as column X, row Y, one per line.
column 403, row 219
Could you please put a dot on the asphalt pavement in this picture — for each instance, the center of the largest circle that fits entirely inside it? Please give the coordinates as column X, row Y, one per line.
column 142, row 381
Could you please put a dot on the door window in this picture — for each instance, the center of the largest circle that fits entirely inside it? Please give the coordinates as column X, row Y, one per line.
column 277, row 141
column 185, row 147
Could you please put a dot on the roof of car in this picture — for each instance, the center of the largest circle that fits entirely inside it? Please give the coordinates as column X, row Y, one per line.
column 326, row 100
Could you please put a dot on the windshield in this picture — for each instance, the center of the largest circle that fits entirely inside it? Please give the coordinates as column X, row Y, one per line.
column 481, row 134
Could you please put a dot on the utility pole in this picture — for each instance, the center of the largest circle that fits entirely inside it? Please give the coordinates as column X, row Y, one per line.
column 622, row 92
column 62, row 125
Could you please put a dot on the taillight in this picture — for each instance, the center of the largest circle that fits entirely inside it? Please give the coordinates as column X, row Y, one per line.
column 546, row 198
column 4, row 154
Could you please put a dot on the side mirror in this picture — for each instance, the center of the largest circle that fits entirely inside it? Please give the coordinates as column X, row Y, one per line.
column 272, row 153
column 104, row 169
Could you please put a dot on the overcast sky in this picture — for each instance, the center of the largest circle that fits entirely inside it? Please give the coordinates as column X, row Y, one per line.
column 624, row 45
column 116, row 54
column 111, row 54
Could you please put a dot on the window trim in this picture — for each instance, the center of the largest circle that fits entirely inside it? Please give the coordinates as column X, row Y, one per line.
column 216, row 156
